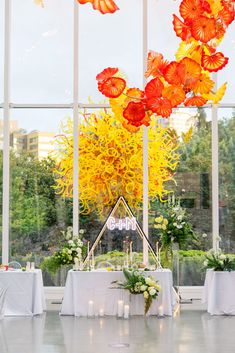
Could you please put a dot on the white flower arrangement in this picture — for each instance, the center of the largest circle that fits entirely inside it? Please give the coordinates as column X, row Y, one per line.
column 218, row 261
column 70, row 254
column 137, row 283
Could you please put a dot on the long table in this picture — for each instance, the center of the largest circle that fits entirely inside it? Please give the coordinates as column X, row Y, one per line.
column 25, row 293
column 219, row 292
column 82, row 287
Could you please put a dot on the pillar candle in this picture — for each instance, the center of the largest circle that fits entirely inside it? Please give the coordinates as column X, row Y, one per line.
column 28, row 266
column 160, row 311
column 120, row 308
column 90, row 311
column 131, row 254
column 126, row 311
column 101, row 312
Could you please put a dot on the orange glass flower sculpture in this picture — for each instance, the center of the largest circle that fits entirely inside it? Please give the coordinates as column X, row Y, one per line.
column 104, row 6
column 184, row 81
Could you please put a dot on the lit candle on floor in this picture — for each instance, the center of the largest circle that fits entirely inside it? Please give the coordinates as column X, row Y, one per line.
column 126, row 311
column 120, row 308
column 101, row 312
column 160, row 311
column 90, row 311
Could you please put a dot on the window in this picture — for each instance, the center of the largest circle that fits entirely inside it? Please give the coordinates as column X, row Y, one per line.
column 38, row 213
column 1, row 177
column 42, row 81
column 227, row 179
column 42, row 52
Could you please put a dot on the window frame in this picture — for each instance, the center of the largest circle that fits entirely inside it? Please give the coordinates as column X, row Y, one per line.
column 7, row 106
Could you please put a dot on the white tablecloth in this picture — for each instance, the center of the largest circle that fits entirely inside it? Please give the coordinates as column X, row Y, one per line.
column 25, row 293
column 81, row 287
column 219, row 292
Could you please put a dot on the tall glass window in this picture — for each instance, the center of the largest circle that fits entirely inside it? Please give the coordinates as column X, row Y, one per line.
column 38, row 212
column 227, row 179
column 41, row 129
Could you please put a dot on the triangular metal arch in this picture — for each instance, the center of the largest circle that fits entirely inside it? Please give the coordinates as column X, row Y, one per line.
column 122, row 200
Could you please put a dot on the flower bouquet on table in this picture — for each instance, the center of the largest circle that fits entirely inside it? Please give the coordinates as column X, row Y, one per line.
column 218, row 261
column 173, row 227
column 71, row 253
column 137, row 283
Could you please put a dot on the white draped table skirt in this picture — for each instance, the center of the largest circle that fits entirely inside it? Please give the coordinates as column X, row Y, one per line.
column 25, row 293
column 82, row 287
column 219, row 292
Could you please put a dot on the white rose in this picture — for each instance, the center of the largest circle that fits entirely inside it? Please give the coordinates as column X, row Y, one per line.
column 81, row 231
column 222, row 257
column 79, row 251
column 143, row 288
column 69, row 252
column 70, row 242
column 146, row 295
column 152, row 292
column 175, row 224
column 148, row 281
column 179, row 218
column 179, row 226
column 158, row 288
column 204, row 235
column 205, row 263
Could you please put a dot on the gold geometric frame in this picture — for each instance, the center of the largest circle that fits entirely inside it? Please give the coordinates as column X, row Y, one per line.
column 121, row 200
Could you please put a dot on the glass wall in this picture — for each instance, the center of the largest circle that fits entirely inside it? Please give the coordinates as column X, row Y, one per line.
column 41, row 149
column 1, row 177
column 191, row 190
column 113, row 42
column 1, row 48
column 227, row 178
column 38, row 211
column 42, row 52
column 110, row 166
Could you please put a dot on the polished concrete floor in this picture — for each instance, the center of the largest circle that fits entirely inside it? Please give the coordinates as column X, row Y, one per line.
column 188, row 332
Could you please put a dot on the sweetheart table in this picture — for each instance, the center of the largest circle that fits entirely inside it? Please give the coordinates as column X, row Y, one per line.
column 82, row 287
column 25, row 293
column 219, row 292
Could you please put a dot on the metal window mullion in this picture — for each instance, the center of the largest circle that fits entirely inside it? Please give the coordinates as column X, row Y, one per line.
column 215, row 174
column 93, row 106
column 6, row 137
column 145, row 138
column 75, row 125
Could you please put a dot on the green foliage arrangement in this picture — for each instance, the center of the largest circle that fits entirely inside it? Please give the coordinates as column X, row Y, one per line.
column 137, row 283
column 72, row 252
column 218, row 261
column 173, row 227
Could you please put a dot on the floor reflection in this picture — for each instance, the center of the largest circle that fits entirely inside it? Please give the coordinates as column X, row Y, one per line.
column 188, row 332
column 22, row 334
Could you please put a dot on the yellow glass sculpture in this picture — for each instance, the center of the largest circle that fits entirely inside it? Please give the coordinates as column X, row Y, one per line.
column 111, row 162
